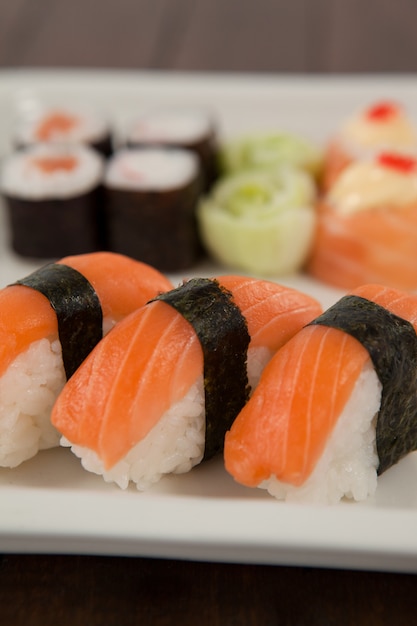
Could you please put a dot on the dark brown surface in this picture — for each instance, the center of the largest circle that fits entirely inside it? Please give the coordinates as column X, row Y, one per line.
column 64, row 590
column 215, row 35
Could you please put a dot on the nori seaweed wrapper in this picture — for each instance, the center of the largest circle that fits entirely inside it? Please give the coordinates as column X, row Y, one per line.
column 392, row 345
column 77, row 307
column 103, row 146
column 207, row 151
column 54, row 228
column 222, row 331
column 155, row 227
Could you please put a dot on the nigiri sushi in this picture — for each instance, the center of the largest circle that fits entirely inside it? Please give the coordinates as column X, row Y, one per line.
column 367, row 226
column 336, row 406
column 157, row 394
column 49, row 322
column 382, row 126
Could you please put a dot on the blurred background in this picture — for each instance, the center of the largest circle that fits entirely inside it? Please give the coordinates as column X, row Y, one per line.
column 305, row 36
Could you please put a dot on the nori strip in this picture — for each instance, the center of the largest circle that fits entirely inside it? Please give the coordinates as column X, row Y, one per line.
column 222, row 331
column 392, row 345
column 77, row 307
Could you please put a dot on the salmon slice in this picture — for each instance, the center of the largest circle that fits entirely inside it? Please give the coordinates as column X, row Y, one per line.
column 274, row 313
column 122, row 285
column 18, row 328
column 152, row 358
column 374, row 246
column 396, row 301
column 52, row 164
column 284, row 428
column 146, row 364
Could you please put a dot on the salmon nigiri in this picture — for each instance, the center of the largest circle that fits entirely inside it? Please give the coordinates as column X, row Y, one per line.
column 336, row 406
column 367, row 226
column 49, row 322
column 159, row 392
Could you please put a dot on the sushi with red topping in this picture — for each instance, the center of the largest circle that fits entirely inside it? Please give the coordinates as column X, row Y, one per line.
column 383, row 126
column 367, row 225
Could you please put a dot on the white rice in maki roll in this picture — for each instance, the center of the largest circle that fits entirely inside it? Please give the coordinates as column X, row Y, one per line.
column 64, row 124
column 191, row 129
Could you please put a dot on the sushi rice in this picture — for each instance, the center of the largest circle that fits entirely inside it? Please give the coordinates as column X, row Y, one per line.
column 348, row 465
column 156, row 169
column 174, row 446
column 25, row 173
column 61, row 124
column 28, row 390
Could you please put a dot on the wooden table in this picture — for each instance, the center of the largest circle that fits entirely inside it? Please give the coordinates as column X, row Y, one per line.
column 216, row 35
column 89, row 590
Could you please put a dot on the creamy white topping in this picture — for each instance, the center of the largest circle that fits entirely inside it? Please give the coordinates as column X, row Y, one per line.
column 373, row 132
column 368, row 185
column 45, row 171
column 151, row 169
column 61, row 124
column 171, row 126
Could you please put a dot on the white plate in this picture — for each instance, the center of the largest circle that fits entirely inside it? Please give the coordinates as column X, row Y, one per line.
column 49, row 504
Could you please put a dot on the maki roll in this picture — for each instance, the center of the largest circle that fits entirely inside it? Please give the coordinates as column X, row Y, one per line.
column 64, row 125
column 150, row 202
column 52, row 195
column 179, row 128
column 383, row 126
column 260, row 222
column 336, row 406
column 158, row 393
column 367, row 225
column 49, row 322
